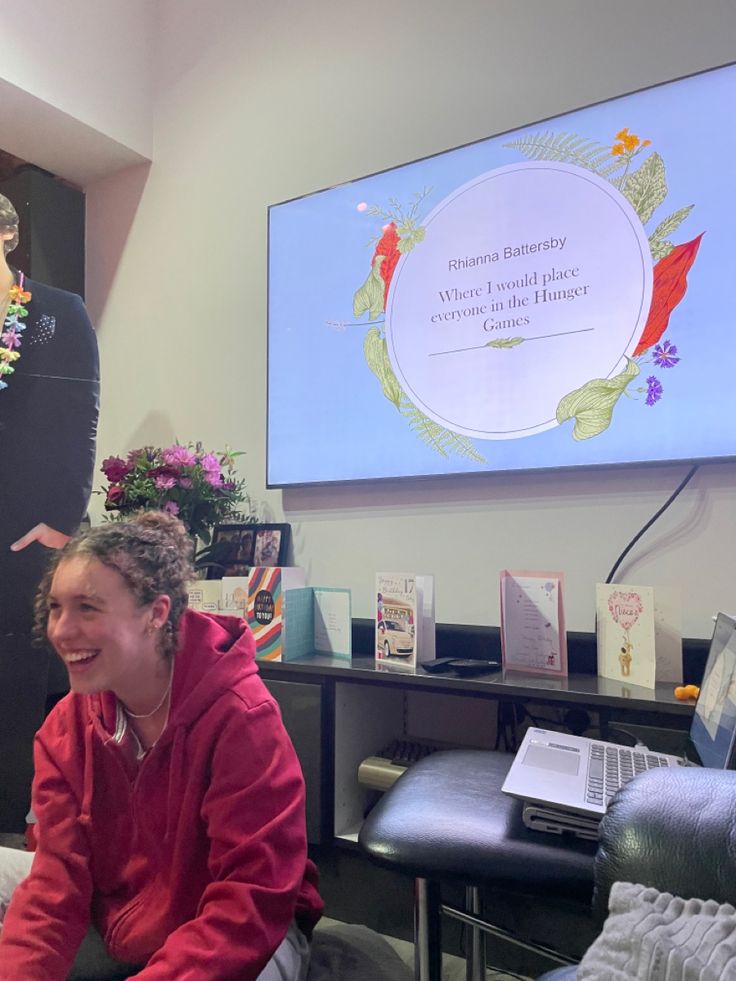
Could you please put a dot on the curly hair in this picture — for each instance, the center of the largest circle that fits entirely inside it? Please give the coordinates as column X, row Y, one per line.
column 8, row 223
column 152, row 551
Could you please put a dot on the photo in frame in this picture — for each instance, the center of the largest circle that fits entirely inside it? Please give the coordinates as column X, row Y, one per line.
column 231, row 550
column 270, row 544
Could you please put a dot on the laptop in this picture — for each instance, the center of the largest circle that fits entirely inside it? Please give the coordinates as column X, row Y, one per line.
column 567, row 781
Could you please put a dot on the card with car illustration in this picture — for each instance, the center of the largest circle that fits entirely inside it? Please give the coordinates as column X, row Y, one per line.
column 625, row 631
column 404, row 620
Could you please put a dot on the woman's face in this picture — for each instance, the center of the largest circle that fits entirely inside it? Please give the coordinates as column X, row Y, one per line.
column 105, row 639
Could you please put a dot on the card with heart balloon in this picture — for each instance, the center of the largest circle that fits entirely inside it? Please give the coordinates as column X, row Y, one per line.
column 625, row 631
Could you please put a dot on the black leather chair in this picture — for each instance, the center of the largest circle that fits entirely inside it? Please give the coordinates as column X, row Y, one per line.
column 674, row 830
column 446, row 821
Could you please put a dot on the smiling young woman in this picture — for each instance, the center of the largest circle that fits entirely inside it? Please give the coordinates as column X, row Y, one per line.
column 168, row 796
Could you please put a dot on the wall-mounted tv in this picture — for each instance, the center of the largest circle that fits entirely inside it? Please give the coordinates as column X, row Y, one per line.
column 561, row 295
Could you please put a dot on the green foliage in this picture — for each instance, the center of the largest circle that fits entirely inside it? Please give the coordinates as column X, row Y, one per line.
column 409, row 235
column 440, row 439
column 505, row 342
column 370, row 295
column 592, row 405
column 434, row 435
column 571, row 149
column 658, row 241
column 377, row 359
column 646, row 188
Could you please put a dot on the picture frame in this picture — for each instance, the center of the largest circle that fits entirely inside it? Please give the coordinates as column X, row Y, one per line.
column 231, row 551
column 271, row 544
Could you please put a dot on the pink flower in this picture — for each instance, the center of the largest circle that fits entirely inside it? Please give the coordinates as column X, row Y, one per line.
column 178, row 456
column 115, row 469
column 211, row 467
column 165, row 482
column 171, row 507
column 186, row 483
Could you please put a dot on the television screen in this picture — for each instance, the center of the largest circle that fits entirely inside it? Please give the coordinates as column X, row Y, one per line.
column 555, row 296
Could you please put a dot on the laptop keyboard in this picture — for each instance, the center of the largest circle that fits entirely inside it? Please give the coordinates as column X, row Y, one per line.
column 612, row 766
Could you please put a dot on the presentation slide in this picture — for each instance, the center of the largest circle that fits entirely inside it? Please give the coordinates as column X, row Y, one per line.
column 557, row 296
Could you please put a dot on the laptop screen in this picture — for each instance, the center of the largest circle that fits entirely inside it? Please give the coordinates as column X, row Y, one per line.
column 713, row 728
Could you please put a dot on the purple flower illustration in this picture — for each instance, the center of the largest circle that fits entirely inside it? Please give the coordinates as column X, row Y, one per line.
column 665, row 355
column 654, row 390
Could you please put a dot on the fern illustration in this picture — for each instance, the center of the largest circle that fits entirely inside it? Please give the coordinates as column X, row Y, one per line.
column 436, row 436
column 569, row 148
column 430, row 432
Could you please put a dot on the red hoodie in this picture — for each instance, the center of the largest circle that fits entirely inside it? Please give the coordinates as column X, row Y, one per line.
column 193, row 861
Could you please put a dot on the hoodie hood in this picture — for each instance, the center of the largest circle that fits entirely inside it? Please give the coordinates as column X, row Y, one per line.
column 213, row 654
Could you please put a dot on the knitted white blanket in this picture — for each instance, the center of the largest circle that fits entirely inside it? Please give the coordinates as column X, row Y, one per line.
column 654, row 936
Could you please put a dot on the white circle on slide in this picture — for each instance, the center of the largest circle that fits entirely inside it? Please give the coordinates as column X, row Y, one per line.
column 546, row 252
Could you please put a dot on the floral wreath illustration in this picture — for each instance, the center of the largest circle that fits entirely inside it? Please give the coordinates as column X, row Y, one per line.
column 641, row 178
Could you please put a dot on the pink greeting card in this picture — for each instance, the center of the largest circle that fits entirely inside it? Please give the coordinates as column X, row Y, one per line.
column 533, row 638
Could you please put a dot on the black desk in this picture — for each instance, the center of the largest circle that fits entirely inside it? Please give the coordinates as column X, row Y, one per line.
column 583, row 690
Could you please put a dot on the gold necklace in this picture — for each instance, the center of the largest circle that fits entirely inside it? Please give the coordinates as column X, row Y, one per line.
column 148, row 715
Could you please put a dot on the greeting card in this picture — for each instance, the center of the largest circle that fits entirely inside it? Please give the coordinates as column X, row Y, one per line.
column 533, row 638
column 405, row 634
column 280, row 613
column 625, row 630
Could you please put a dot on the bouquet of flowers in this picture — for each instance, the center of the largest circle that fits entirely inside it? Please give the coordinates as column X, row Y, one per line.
column 198, row 487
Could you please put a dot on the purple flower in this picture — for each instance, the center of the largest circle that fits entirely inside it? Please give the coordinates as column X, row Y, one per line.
column 178, row 456
column 654, row 390
column 171, row 507
column 10, row 338
column 165, row 482
column 665, row 355
column 115, row 469
column 211, row 467
column 186, row 482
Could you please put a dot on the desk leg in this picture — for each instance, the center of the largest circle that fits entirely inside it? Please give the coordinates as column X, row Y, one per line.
column 427, row 931
column 475, row 958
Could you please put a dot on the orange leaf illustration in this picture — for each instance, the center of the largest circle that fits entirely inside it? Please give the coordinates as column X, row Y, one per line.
column 670, row 283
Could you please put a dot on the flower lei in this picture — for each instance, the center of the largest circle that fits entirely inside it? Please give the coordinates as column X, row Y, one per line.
column 12, row 329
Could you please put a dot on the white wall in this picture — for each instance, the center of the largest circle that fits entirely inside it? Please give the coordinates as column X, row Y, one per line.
column 76, row 84
column 261, row 101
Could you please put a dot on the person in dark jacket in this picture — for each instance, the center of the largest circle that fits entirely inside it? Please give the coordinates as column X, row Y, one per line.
column 49, row 397
column 169, row 799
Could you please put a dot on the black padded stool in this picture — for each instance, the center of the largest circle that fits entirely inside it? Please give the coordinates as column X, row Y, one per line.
column 446, row 819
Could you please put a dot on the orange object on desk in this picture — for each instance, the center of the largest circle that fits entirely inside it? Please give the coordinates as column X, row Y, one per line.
column 683, row 692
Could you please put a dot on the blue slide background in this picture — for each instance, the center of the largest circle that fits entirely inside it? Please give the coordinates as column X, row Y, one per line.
column 327, row 416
